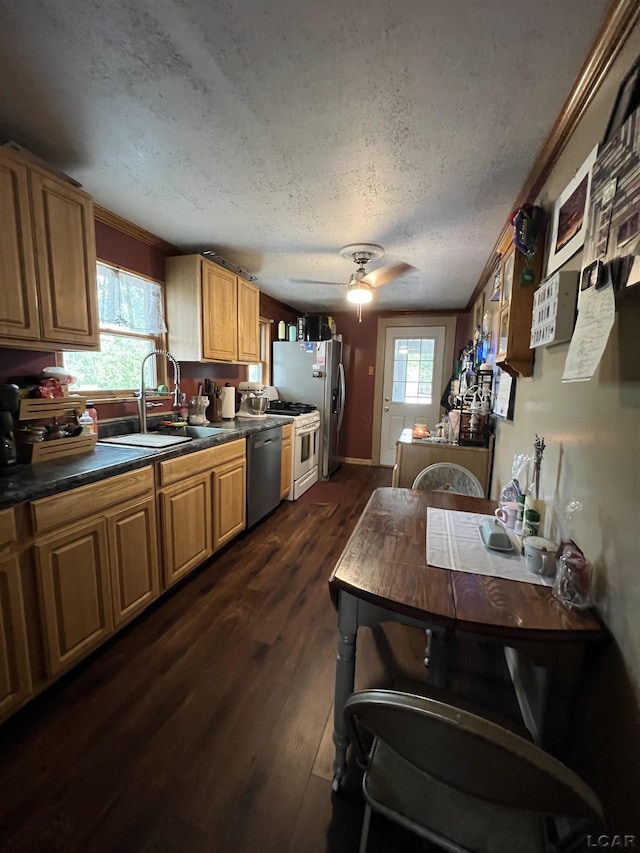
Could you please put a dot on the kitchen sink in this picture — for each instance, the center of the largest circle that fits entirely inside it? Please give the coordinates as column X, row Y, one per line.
column 147, row 439
column 167, row 437
column 192, row 431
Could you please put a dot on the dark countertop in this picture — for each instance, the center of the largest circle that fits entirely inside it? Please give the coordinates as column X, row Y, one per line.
column 28, row 482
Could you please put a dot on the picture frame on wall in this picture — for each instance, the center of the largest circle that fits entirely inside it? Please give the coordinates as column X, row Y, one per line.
column 504, row 395
column 627, row 100
column 569, row 222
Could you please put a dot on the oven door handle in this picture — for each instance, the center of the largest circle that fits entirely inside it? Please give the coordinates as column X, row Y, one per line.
column 307, row 431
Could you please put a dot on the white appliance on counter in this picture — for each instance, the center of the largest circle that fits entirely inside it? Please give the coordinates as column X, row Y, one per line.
column 313, row 371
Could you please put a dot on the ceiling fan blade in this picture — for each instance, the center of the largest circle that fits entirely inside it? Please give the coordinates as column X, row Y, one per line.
column 313, row 281
column 376, row 278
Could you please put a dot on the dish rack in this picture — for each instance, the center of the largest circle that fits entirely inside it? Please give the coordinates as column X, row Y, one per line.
column 39, row 408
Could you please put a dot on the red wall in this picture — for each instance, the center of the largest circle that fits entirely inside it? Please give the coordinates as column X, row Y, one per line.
column 361, row 338
column 121, row 249
column 117, row 248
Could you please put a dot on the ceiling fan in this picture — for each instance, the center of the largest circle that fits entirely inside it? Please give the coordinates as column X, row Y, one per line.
column 361, row 284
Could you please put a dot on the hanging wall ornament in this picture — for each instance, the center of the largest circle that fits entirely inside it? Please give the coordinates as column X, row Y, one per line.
column 527, row 224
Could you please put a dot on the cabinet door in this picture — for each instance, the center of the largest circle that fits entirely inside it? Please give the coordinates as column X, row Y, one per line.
column 219, row 313
column 285, row 468
column 186, row 526
column 229, row 501
column 66, row 262
column 133, row 549
column 75, row 591
column 15, row 676
column 248, row 322
column 18, row 301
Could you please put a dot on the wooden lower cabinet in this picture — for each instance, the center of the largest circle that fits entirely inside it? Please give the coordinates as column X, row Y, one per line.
column 75, row 588
column 229, row 501
column 285, row 465
column 133, row 548
column 185, row 513
column 412, row 456
column 15, row 674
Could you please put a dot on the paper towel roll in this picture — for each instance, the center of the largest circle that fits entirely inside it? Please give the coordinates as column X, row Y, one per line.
column 228, row 394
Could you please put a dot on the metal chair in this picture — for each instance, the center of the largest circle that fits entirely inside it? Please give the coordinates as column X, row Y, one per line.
column 449, row 477
column 461, row 781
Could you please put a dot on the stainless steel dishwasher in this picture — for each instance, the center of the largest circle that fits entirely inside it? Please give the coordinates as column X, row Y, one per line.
column 263, row 473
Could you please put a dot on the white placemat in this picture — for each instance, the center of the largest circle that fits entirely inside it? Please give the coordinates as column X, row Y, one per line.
column 453, row 542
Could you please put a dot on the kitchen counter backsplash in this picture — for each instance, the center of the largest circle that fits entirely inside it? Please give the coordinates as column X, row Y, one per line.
column 28, row 482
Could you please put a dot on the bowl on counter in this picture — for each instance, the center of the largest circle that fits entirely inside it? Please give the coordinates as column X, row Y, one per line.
column 258, row 405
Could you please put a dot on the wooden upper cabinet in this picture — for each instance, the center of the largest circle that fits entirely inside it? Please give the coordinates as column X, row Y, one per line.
column 219, row 313
column 212, row 314
column 516, row 306
column 248, row 322
column 48, row 297
column 66, row 261
column 18, row 301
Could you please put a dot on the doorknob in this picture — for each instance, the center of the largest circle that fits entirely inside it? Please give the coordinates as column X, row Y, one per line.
column 386, row 399
column 386, row 408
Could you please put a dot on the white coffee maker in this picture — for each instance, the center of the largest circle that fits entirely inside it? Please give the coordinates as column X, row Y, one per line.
column 253, row 400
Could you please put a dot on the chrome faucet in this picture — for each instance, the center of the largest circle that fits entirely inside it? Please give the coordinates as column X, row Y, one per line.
column 142, row 402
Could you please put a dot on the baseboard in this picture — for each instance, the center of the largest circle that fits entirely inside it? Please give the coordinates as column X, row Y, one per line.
column 352, row 460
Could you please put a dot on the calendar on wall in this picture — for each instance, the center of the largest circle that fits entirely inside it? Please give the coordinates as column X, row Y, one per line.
column 554, row 310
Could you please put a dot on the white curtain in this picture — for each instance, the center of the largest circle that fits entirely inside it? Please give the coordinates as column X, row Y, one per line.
column 127, row 302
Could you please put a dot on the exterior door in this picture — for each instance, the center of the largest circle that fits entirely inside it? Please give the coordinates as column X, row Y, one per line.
column 412, row 384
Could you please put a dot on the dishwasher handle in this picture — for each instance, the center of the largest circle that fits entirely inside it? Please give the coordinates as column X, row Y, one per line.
column 262, row 442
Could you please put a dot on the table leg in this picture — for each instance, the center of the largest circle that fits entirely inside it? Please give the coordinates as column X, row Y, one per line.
column 345, row 675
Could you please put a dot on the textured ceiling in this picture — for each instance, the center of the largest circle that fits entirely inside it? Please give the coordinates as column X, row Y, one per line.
column 275, row 132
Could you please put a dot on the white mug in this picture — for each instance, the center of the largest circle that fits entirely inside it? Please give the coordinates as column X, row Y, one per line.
column 540, row 555
column 507, row 514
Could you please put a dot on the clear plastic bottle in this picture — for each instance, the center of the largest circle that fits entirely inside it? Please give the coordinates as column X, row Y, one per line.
column 86, row 422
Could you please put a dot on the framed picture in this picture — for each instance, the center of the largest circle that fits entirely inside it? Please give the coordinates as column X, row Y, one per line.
column 569, row 225
column 627, row 100
column 504, row 395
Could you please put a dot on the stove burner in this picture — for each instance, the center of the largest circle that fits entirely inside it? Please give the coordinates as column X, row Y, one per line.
column 281, row 407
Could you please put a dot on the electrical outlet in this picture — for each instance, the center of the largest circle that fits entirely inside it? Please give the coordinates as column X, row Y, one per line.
column 370, row 370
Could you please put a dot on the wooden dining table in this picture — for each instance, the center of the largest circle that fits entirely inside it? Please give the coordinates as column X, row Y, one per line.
column 383, row 575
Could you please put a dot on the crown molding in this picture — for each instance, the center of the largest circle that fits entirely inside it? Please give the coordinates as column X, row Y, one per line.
column 622, row 16
column 101, row 214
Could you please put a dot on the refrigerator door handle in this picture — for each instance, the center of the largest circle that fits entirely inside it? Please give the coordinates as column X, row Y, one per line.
column 343, row 394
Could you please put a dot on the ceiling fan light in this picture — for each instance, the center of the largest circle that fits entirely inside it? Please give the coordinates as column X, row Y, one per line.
column 359, row 294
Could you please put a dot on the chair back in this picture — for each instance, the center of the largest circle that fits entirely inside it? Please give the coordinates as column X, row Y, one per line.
column 447, row 476
column 471, row 754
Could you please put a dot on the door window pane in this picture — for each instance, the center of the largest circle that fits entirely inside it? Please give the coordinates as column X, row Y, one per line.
column 413, row 370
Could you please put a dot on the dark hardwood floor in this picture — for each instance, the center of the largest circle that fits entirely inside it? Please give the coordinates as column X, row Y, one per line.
column 206, row 725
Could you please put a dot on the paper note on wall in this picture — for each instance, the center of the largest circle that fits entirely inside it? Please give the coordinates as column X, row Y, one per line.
column 590, row 336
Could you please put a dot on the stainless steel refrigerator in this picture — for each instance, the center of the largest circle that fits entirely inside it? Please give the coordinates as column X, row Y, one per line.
column 313, row 372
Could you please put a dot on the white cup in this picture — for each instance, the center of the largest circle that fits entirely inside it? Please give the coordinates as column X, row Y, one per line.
column 507, row 514
column 540, row 555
